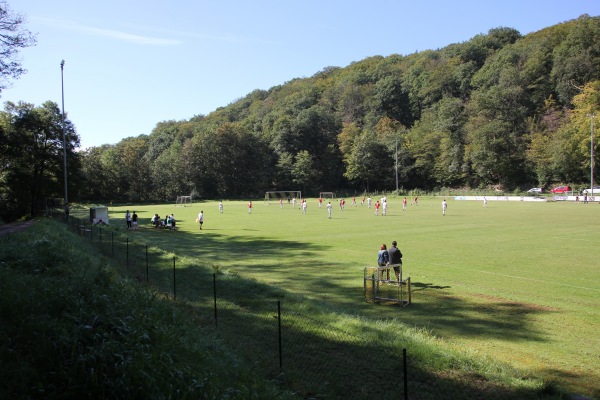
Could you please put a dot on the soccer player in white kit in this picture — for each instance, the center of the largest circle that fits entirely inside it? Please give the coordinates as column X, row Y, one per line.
column 444, row 206
column 329, row 210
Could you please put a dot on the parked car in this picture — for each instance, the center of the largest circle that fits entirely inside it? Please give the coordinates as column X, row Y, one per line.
column 536, row 190
column 560, row 189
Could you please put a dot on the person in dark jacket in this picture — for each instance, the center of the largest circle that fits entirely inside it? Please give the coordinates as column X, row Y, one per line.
column 396, row 259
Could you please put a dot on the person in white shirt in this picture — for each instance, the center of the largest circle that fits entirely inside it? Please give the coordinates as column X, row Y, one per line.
column 201, row 218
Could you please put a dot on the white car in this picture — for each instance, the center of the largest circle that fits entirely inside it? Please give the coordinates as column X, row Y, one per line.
column 537, row 190
column 589, row 191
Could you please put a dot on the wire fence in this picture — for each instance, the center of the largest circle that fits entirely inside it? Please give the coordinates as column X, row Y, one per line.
column 313, row 358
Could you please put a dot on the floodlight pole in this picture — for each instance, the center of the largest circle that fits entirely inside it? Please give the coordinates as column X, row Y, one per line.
column 592, row 117
column 396, row 166
column 62, row 65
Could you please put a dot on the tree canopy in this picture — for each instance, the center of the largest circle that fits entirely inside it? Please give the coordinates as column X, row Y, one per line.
column 499, row 109
column 13, row 37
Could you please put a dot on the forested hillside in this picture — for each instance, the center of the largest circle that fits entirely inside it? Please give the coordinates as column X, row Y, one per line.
column 499, row 109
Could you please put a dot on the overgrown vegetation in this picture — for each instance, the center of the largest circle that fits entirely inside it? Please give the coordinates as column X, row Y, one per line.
column 72, row 328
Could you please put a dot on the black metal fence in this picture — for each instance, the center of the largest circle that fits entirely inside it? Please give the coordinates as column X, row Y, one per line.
column 315, row 359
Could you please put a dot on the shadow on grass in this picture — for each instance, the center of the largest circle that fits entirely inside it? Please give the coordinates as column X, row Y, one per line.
column 342, row 365
column 288, row 263
column 285, row 262
column 318, row 357
column 422, row 286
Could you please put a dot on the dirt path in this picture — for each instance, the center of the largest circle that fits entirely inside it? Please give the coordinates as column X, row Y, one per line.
column 13, row 227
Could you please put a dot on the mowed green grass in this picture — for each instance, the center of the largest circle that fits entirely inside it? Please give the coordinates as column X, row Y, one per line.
column 515, row 281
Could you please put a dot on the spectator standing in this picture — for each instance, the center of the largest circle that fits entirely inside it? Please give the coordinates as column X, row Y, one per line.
column 383, row 259
column 396, row 259
column 128, row 219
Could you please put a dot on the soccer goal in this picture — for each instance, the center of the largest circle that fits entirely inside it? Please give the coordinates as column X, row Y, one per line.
column 327, row 195
column 284, row 195
column 183, row 201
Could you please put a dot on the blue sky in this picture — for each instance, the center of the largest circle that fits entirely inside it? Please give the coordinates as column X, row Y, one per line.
column 131, row 64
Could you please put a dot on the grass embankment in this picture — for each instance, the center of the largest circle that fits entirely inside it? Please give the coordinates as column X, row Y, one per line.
column 71, row 328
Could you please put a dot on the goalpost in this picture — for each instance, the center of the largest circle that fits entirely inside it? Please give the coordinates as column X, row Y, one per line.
column 183, row 201
column 285, row 195
column 327, row 195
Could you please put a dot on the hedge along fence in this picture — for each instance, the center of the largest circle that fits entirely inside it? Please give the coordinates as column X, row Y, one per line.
column 314, row 358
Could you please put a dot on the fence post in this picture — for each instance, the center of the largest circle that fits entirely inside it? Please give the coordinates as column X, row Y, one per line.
column 147, row 274
column 174, row 284
column 215, row 296
column 127, row 254
column 279, row 329
column 405, row 375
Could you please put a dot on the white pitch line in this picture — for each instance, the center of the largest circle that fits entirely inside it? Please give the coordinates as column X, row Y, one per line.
column 518, row 277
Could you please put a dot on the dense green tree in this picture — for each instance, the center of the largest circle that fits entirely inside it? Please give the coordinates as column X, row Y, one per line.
column 423, row 142
column 229, row 162
column 304, row 171
column 497, row 129
column 135, row 171
column 33, row 166
column 392, row 100
column 577, row 58
column 370, row 164
column 96, row 187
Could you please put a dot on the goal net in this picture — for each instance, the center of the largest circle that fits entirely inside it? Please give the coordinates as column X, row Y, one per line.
column 285, row 195
column 327, row 195
column 183, row 201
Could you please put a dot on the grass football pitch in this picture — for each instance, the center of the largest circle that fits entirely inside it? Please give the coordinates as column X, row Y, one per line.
column 516, row 281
